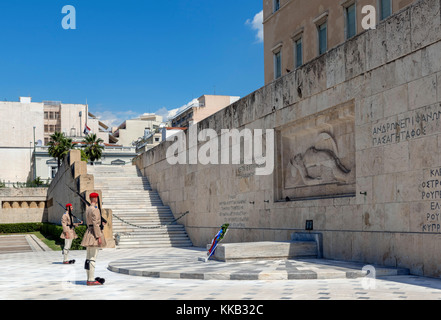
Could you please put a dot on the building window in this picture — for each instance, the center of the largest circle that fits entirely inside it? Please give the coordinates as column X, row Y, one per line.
column 385, row 9
column 323, row 38
column 351, row 21
column 54, row 171
column 276, row 5
column 46, row 115
column 298, row 53
column 277, row 65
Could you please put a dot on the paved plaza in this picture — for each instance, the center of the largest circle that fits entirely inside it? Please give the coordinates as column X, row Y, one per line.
column 178, row 274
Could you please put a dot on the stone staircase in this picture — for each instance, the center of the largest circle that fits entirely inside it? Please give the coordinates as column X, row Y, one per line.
column 132, row 199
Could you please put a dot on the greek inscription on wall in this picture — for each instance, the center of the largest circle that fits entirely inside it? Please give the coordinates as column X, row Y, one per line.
column 233, row 212
column 431, row 192
column 409, row 125
column 248, row 170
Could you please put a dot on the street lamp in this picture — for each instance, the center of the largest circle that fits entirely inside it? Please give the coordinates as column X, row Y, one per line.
column 30, row 155
column 81, row 132
column 35, row 168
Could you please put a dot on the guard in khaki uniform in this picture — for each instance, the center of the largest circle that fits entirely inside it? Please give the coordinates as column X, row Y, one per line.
column 93, row 239
column 68, row 233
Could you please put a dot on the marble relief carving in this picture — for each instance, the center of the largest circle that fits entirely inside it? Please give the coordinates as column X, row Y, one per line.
column 318, row 154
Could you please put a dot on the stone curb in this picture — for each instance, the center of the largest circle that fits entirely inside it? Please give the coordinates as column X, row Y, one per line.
column 244, row 271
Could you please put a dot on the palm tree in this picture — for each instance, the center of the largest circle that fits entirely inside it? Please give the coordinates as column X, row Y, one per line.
column 59, row 146
column 93, row 149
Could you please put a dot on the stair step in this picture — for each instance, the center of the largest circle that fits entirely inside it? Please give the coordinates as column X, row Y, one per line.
column 131, row 238
column 153, row 229
column 131, row 198
column 126, row 211
column 144, row 223
column 140, row 244
column 118, row 185
column 143, row 214
column 150, row 240
column 132, row 209
column 133, row 201
column 156, row 245
column 154, row 232
column 135, row 215
column 144, row 203
column 128, row 189
column 137, row 209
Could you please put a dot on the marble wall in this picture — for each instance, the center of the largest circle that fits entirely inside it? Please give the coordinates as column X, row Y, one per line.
column 364, row 120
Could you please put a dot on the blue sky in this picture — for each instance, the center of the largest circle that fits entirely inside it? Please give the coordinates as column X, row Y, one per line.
column 129, row 57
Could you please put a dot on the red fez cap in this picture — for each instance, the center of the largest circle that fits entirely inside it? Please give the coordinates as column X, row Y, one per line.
column 94, row 195
column 68, row 205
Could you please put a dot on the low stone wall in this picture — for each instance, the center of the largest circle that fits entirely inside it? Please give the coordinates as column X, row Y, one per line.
column 357, row 140
column 23, row 205
column 73, row 174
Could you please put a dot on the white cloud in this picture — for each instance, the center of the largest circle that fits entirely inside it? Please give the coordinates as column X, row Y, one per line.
column 166, row 114
column 169, row 114
column 257, row 25
column 114, row 119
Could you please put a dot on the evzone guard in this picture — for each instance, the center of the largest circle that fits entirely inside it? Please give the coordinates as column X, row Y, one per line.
column 68, row 233
column 93, row 239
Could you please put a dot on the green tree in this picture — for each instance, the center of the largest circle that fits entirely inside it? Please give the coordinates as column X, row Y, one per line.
column 59, row 146
column 37, row 182
column 93, row 149
column 84, row 156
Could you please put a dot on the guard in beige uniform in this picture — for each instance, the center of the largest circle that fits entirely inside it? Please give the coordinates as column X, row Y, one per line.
column 68, row 233
column 93, row 239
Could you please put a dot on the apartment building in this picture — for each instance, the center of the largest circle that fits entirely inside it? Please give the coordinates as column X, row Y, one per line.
column 132, row 131
column 25, row 132
column 201, row 108
column 67, row 118
column 22, row 124
column 297, row 31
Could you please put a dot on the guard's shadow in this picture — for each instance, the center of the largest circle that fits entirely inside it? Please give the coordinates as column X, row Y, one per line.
column 76, row 282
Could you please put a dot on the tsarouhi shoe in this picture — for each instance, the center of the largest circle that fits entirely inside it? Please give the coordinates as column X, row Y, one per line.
column 94, row 283
column 100, row 280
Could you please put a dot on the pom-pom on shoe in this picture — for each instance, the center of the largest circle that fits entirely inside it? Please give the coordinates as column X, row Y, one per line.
column 100, row 280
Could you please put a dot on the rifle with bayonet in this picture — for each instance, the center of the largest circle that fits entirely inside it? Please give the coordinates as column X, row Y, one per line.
column 70, row 213
column 88, row 204
column 101, row 214
column 80, row 195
